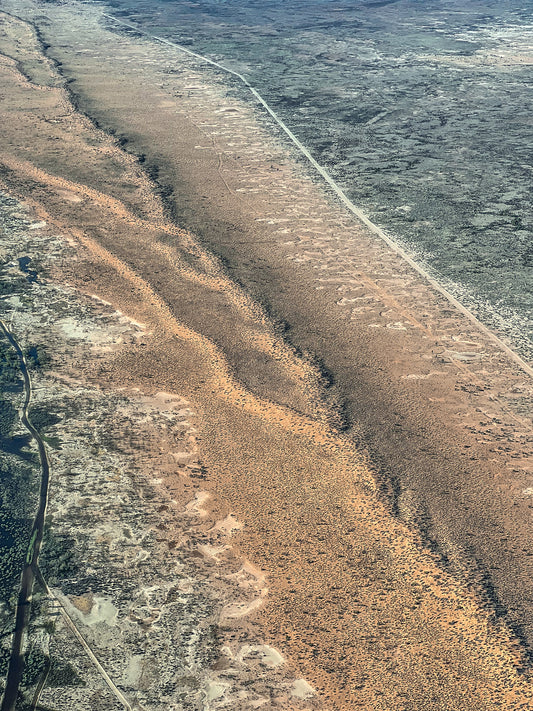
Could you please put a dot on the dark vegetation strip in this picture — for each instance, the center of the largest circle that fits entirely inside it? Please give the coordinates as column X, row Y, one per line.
column 16, row 661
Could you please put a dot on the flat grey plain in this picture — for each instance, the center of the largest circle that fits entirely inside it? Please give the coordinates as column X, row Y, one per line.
column 421, row 112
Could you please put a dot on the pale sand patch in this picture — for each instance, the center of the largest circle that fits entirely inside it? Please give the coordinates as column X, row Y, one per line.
column 216, row 690
column 69, row 196
column 228, row 525
column 464, row 356
column 182, row 458
column 213, row 552
column 420, row 376
column 250, row 576
column 269, row 656
column 241, row 609
column 102, row 611
column 194, row 507
column 134, row 671
column 14, row 301
column 302, row 690
column 83, row 603
column 94, row 335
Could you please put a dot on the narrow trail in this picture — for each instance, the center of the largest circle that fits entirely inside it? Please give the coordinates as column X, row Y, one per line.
column 86, row 648
column 31, row 566
column 375, row 229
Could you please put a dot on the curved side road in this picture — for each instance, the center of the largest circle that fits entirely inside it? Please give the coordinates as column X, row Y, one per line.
column 526, row 367
column 16, row 661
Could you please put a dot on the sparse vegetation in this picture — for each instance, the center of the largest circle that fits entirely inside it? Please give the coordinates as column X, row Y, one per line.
column 43, row 418
column 9, row 366
column 58, row 556
column 36, row 357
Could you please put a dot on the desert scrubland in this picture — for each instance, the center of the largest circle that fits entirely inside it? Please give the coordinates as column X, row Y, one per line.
column 287, row 473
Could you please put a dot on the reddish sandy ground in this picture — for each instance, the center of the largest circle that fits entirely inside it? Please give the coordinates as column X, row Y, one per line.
column 437, row 438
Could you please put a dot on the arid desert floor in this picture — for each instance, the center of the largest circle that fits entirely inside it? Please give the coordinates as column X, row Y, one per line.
column 287, row 473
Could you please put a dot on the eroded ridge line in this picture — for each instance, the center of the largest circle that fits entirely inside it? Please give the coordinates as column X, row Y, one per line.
column 390, row 241
column 212, row 276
